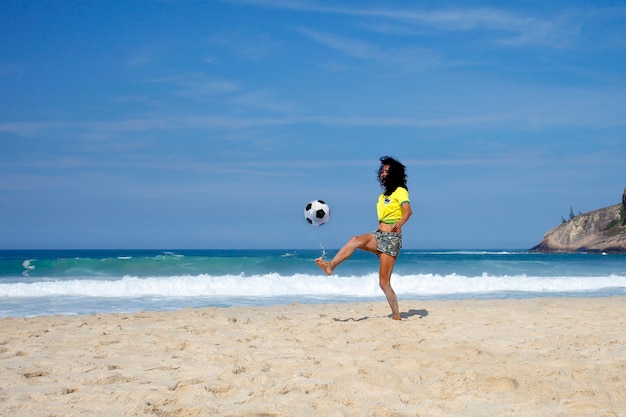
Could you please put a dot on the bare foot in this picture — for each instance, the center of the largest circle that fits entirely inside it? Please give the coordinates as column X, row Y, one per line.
column 396, row 317
column 324, row 265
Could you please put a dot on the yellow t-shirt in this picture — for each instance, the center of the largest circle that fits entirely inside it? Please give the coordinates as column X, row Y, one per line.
column 389, row 208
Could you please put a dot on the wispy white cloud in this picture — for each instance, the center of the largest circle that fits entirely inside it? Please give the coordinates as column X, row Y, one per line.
column 141, row 58
column 139, row 99
column 245, row 44
column 71, row 128
column 353, row 47
column 552, row 114
column 200, row 87
column 264, row 100
column 507, row 27
column 401, row 58
column 197, row 84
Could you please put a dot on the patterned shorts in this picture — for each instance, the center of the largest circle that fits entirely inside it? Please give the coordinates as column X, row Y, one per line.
column 388, row 242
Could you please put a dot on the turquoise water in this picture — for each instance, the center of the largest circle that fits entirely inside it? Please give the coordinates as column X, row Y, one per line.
column 94, row 281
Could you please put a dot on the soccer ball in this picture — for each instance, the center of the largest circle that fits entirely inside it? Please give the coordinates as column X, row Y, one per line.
column 317, row 212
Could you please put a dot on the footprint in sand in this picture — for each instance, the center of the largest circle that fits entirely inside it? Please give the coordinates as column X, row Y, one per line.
column 35, row 374
column 501, row 384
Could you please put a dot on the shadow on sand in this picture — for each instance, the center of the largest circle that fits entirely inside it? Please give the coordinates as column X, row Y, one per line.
column 411, row 313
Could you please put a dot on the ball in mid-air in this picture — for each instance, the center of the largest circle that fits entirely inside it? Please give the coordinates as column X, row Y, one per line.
column 317, row 212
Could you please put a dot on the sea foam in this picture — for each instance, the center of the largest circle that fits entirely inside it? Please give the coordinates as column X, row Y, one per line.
column 276, row 285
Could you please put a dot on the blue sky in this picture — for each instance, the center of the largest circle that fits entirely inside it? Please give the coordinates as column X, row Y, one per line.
column 210, row 124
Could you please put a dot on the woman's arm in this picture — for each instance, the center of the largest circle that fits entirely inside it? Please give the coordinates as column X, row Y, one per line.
column 406, row 213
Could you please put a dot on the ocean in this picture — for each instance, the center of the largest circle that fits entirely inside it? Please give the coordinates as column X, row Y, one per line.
column 78, row 282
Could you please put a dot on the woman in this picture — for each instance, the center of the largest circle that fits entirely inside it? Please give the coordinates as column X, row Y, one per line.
column 394, row 210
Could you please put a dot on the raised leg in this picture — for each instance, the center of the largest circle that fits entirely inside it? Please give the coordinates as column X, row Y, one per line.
column 364, row 242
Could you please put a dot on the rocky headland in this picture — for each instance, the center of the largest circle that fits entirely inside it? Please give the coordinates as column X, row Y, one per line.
column 602, row 231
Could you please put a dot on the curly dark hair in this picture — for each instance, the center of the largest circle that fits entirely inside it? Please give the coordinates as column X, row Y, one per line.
column 396, row 177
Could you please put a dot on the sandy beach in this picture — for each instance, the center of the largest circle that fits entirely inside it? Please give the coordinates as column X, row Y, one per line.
column 533, row 357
